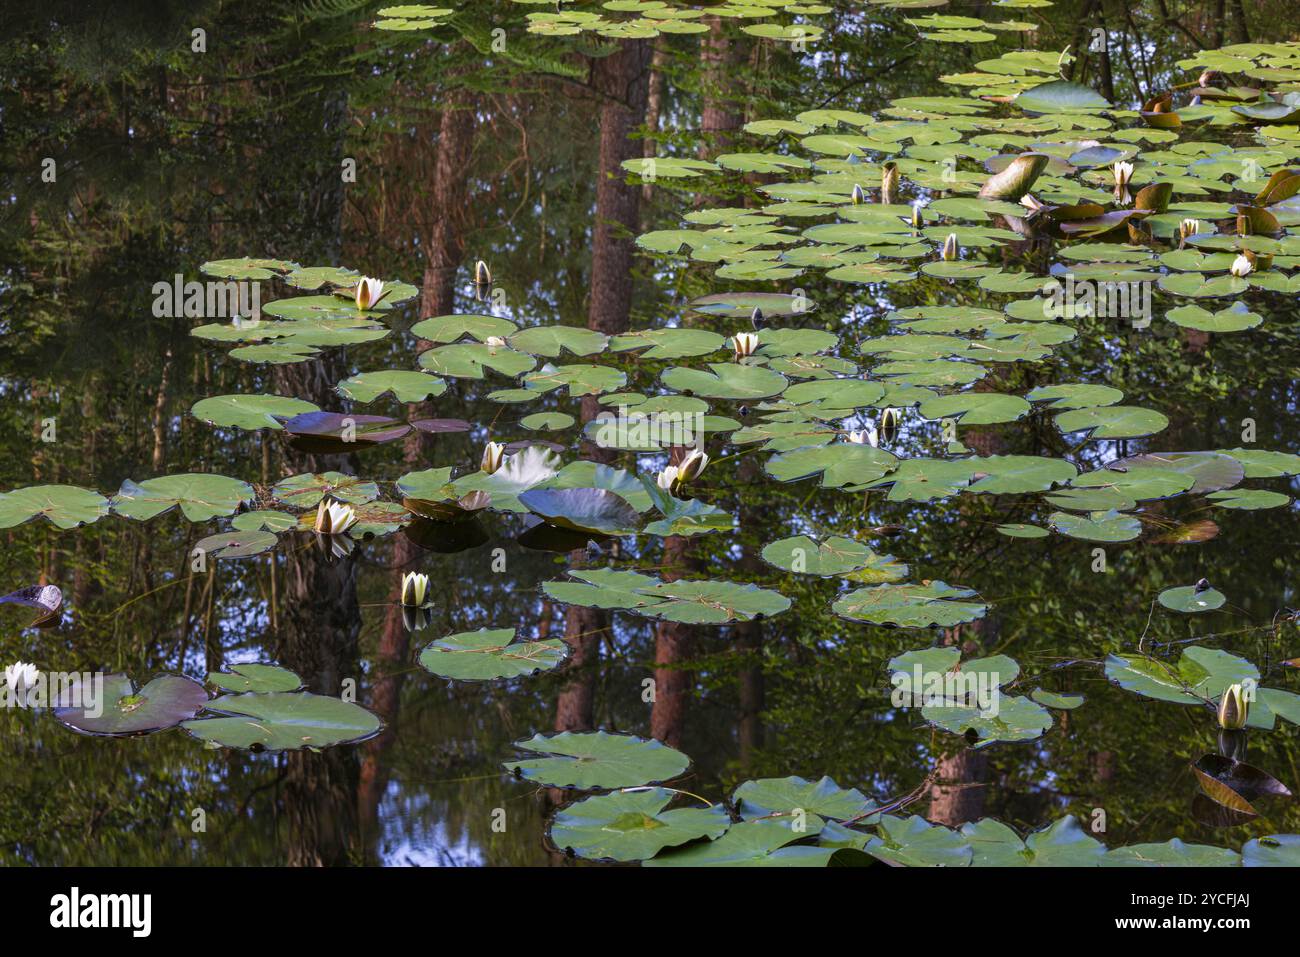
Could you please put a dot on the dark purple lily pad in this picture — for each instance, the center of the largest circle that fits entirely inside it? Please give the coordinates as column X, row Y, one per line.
column 163, row 703
column 330, row 432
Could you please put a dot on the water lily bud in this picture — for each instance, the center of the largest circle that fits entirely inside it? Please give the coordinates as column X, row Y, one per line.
column 334, row 518
column 691, row 466
column 744, row 344
column 918, row 218
column 482, row 275
column 20, row 676
column 859, row 195
column 369, row 292
column 756, row 318
column 1234, row 708
column 415, row 589
column 1242, row 266
column 1031, row 202
column 667, row 478
column 888, row 425
column 889, row 177
column 1123, row 171
column 951, row 249
column 863, row 437
column 493, row 455
column 494, row 342
column 1202, row 585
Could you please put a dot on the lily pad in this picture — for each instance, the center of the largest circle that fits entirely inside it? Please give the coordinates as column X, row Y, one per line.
column 597, row 761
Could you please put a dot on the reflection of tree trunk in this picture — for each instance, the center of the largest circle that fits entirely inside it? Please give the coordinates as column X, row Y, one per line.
column 160, row 416
column 674, row 680
column 584, row 630
column 958, row 792
column 445, row 251
column 748, row 635
column 1240, row 31
column 653, row 110
column 720, row 115
column 623, row 79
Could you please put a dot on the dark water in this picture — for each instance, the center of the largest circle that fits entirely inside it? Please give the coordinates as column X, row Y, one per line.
column 175, row 161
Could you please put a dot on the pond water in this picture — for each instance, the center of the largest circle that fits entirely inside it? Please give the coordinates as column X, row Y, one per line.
column 894, row 490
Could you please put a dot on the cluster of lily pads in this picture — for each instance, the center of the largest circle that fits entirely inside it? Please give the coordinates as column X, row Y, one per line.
column 261, row 707
column 635, row 19
column 633, row 815
column 940, row 186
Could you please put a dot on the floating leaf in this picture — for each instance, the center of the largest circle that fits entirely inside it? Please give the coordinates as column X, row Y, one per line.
column 249, row 411
column 632, row 825
column 489, row 654
column 255, row 677
column 597, row 761
column 278, row 721
column 163, row 703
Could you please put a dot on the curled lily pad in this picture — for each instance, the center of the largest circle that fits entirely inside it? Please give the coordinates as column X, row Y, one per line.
column 632, row 825
column 253, row 676
column 491, row 653
column 597, row 760
column 46, row 599
column 164, row 702
column 282, row 721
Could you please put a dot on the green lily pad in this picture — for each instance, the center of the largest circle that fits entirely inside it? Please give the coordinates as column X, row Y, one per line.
column 489, row 654
column 199, row 496
column 632, row 825
column 911, row 606
column 282, row 721
column 255, row 677
column 1188, row 599
column 66, row 506
column 768, row 843
column 597, row 761
column 249, row 411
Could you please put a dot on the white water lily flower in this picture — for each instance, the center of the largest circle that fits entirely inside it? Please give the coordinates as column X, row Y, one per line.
column 20, row 676
column 415, row 589
column 691, row 466
column 863, row 437
column 1188, row 227
column 951, row 248
column 369, row 292
column 334, row 518
column 494, row 454
column 1123, row 171
column 744, row 344
column 1031, row 202
column 494, row 342
column 667, row 478
column 1242, row 266
column 1234, row 708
